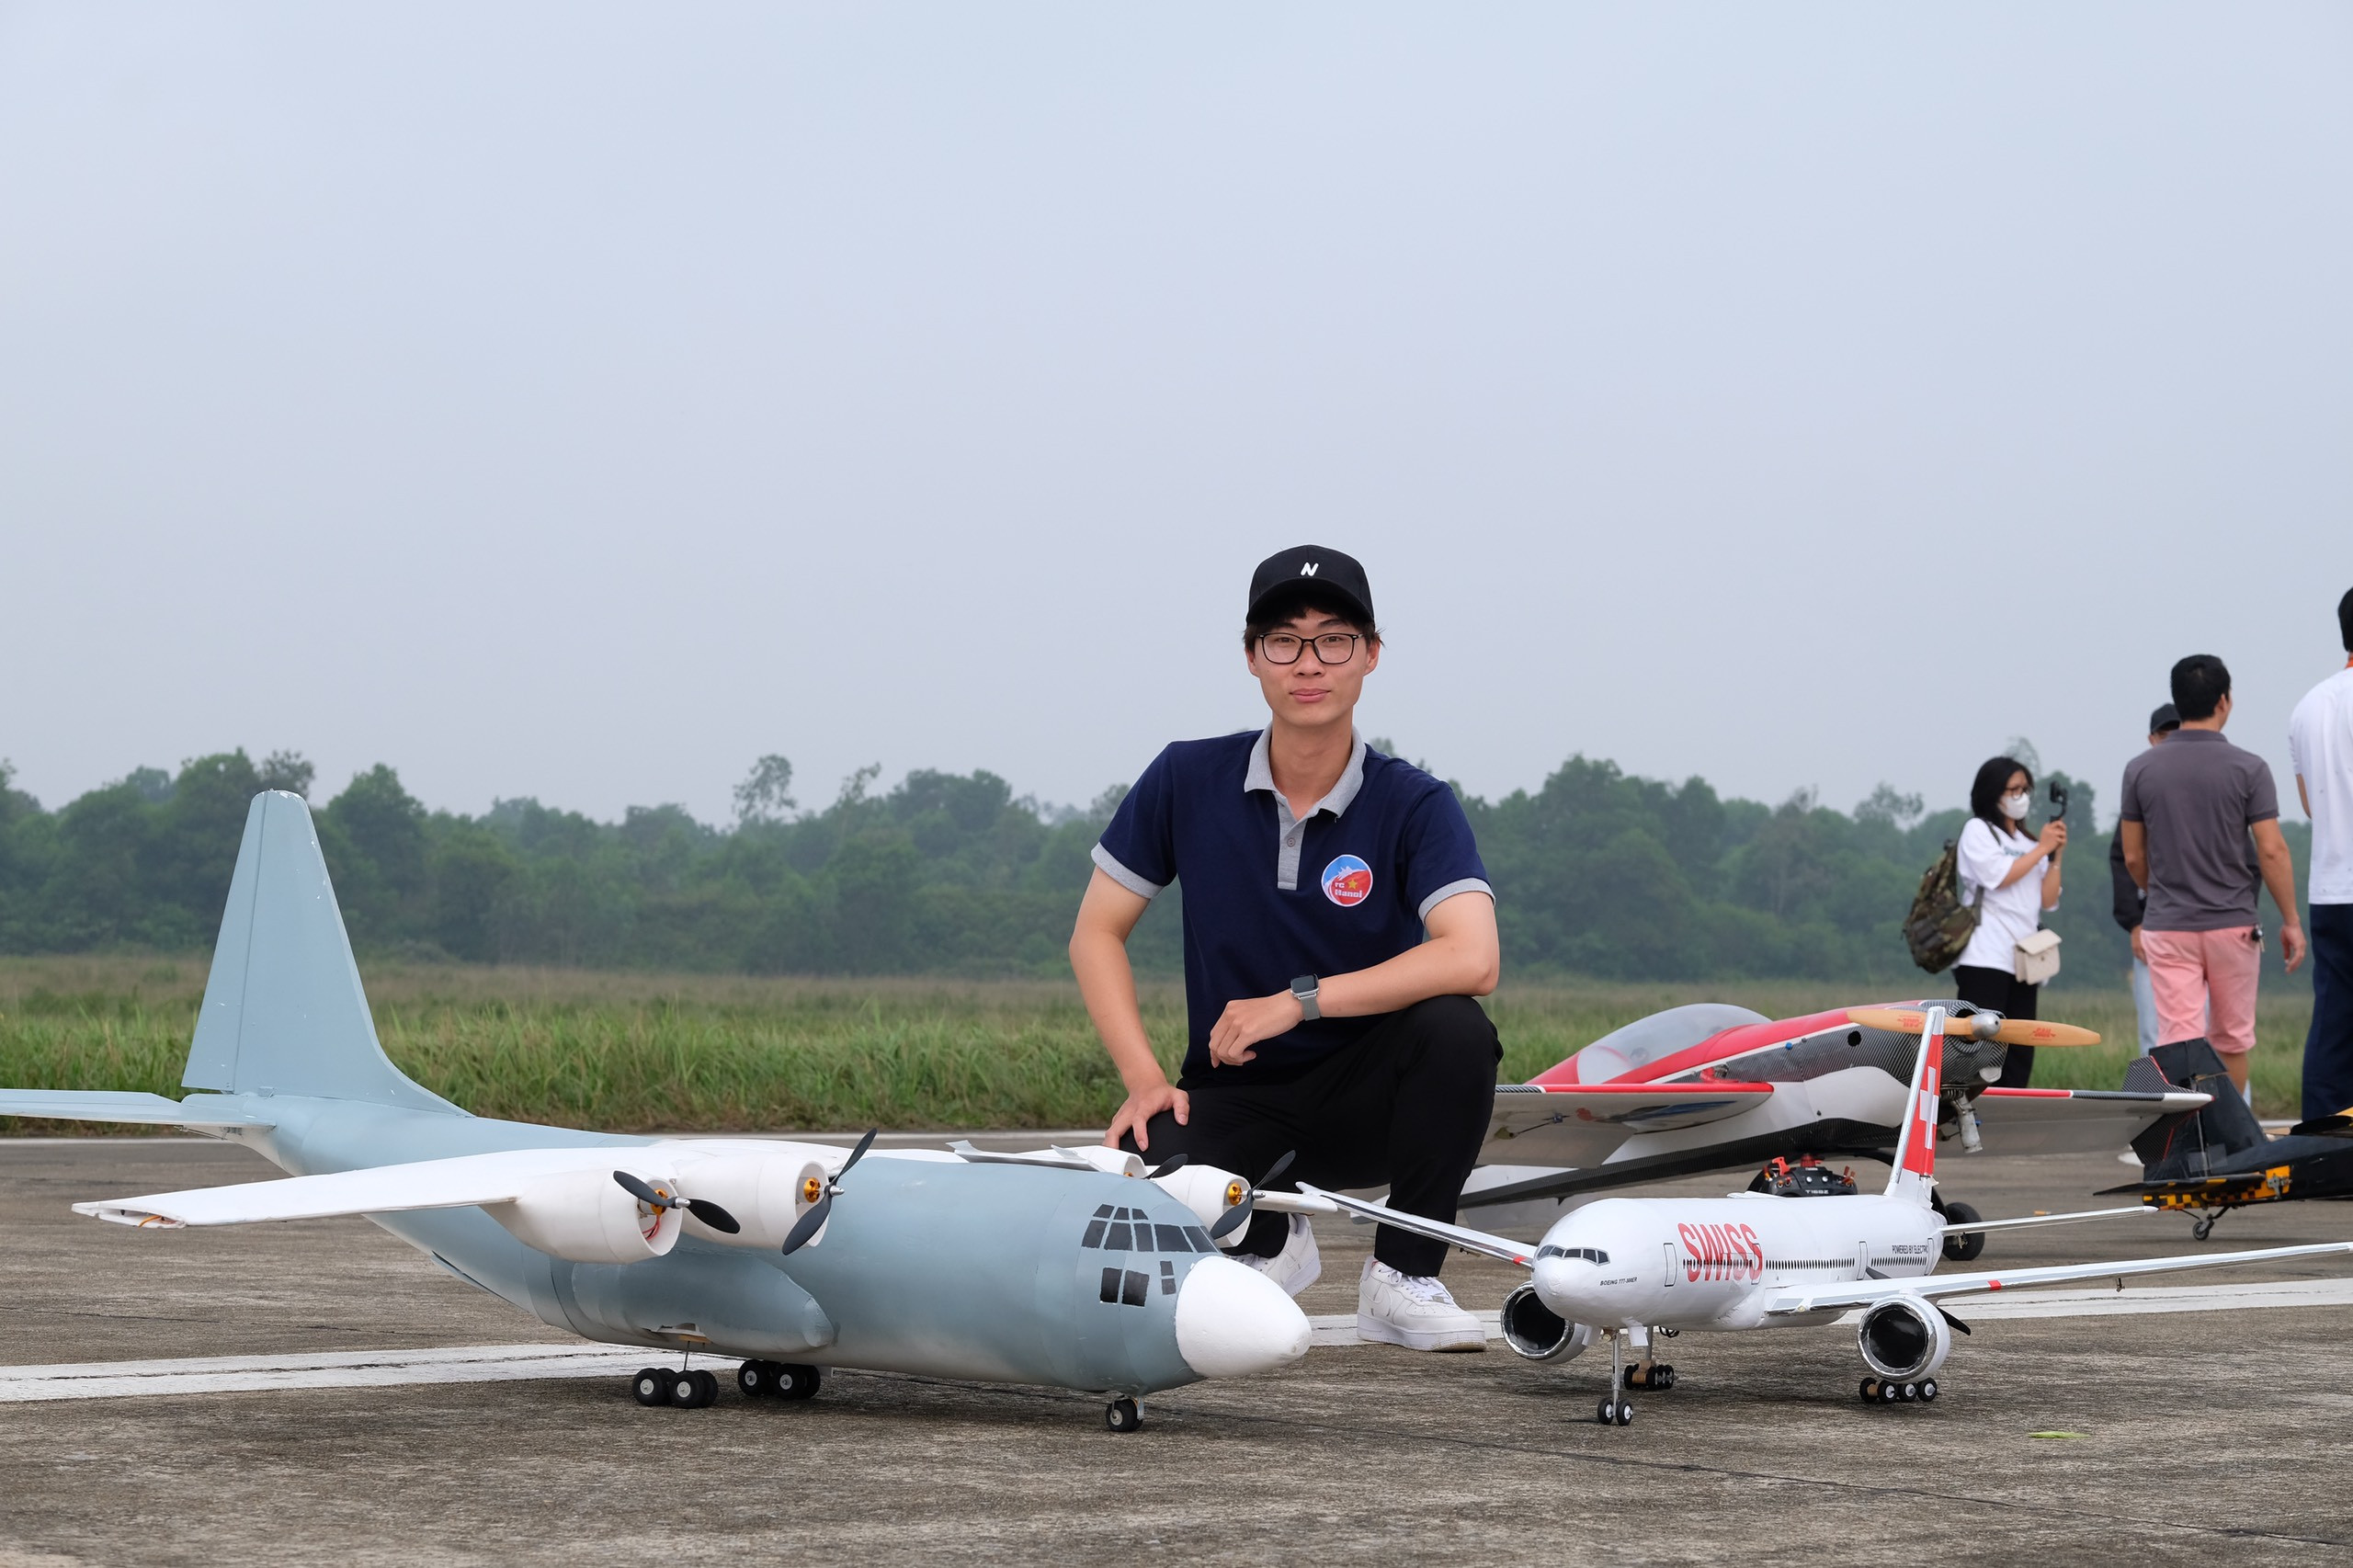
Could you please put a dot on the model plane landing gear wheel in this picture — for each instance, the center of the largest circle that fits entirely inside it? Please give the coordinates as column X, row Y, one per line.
column 1121, row 1415
column 796, row 1382
column 2205, row 1227
column 651, row 1386
column 1615, row 1413
column 696, row 1390
column 1867, row 1390
column 1658, row 1375
column 1927, row 1391
column 757, row 1379
column 1962, row 1247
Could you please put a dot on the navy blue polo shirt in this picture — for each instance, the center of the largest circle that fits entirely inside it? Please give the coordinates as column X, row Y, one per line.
column 1268, row 898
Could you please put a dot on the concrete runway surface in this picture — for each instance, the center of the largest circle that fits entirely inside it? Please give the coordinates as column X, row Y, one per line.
column 2206, row 1435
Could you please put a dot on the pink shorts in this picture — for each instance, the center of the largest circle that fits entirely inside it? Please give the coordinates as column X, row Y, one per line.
column 2204, row 983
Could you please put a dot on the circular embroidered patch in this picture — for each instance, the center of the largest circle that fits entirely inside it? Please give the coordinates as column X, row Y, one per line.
column 1347, row 881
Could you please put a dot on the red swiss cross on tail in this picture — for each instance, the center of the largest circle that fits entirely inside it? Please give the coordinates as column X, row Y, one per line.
column 1915, row 1176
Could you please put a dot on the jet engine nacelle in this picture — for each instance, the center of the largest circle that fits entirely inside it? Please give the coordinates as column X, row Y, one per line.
column 1902, row 1339
column 1536, row 1332
column 584, row 1216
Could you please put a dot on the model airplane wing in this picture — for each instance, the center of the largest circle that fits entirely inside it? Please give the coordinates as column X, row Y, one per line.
column 2073, row 1121
column 1836, row 1294
column 1314, row 1200
column 1583, row 1124
column 379, row 1189
column 106, row 1105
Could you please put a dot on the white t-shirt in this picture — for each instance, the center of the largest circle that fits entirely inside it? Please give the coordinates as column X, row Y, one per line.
column 2320, row 743
column 2011, row 914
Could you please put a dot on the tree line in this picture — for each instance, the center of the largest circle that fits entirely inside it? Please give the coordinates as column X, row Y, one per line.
column 1597, row 873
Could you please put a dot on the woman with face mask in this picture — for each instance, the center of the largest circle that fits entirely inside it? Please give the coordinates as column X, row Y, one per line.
column 2017, row 872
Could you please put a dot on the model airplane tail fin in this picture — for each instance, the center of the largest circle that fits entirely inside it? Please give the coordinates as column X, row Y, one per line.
column 1915, row 1176
column 284, row 1013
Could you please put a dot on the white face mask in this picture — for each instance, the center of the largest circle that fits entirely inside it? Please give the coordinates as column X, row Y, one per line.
column 2015, row 806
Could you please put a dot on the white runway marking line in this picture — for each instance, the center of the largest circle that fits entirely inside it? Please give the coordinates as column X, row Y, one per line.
column 515, row 1363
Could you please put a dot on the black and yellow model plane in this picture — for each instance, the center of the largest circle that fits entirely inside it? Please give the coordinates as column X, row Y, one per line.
column 2209, row 1161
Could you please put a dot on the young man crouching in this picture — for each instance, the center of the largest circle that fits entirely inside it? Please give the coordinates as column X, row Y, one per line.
column 1337, row 923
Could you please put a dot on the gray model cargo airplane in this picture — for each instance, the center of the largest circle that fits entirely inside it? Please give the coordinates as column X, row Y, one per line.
column 780, row 1254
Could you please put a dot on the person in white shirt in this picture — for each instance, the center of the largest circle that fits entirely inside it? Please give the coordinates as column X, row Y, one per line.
column 2320, row 744
column 2018, row 875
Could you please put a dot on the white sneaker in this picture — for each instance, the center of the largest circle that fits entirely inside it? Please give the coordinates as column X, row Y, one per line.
column 1413, row 1311
column 1297, row 1267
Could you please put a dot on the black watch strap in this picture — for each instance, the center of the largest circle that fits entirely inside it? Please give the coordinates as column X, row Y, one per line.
column 1304, row 988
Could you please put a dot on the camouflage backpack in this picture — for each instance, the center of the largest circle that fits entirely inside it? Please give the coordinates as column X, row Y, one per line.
column 1939, row 926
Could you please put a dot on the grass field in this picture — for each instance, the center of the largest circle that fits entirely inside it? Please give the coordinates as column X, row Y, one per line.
column 645, row 1053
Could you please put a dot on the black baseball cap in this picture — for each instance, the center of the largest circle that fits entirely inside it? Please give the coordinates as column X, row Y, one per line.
column 1335, row 574
column 2165, row 717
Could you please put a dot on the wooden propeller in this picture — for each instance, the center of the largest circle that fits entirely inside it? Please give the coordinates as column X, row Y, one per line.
column 2010, row 1032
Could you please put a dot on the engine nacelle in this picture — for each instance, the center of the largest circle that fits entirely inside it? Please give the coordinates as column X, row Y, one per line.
column 1208, row 1192
column 1536, row 1332
column 1902, row 1340
column 584, row 1216
column 765, row 1192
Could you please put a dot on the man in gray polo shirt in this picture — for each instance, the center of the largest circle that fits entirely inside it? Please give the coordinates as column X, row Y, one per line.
column 2188, row 807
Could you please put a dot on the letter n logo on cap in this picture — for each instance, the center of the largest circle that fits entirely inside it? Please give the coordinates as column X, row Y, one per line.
column 1348, row 881
column 1307, row 568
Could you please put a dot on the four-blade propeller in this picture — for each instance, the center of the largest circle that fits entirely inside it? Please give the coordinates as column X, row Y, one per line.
column 703, row 1209
column 1240, row 1213
column 814, row 1218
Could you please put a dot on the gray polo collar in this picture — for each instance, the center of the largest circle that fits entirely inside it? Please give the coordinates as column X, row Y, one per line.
column 1291, row 831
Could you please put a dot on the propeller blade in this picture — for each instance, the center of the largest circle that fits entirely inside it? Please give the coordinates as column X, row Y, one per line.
column 638, row 1190
column 1278, row 1168
column 809, row 1224
column 2011, row 1031
column 857, row 1154
column 1173, row 1163
column 712, row 1214
column 1234, row 1217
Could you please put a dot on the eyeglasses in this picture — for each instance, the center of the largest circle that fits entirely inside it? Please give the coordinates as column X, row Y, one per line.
column 1332, row 648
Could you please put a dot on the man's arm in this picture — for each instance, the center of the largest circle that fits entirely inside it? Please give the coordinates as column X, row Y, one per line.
column 2304, row 797
column 2136, row 852
column 2280, row 876
column 1462, row 958
column 1107, row 982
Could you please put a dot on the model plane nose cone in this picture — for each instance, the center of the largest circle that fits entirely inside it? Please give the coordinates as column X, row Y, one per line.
column 1564, row 1283
column 1232, row 1320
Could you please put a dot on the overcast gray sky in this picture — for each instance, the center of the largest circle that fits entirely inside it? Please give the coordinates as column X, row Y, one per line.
column 579, row 401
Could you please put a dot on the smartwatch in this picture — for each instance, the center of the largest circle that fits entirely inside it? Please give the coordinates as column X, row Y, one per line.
column 1305, row 989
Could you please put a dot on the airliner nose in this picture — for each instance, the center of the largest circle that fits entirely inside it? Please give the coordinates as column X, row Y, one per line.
column 1561, row 1282
column 1233, row 1319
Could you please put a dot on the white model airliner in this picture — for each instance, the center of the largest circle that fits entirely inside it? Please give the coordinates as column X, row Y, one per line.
column 1631, row 1269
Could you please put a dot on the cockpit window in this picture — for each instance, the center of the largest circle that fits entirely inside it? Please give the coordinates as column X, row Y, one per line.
column 1590, row 1255
column 1644, row 1040
column 1117, row 1238
column 1171, row 1238
column 1200, row 1239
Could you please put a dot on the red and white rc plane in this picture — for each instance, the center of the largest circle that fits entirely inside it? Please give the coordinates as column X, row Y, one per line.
column 1712, row 1086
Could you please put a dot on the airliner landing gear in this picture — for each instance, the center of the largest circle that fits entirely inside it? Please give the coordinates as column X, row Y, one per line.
column 1121, row 1415
column 1886, row 1391
column 696, row 1390
column 1616, row 1410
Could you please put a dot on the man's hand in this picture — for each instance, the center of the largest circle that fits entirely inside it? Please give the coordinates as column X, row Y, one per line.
column 2292, row 944
column 1141, row 1106
column 2139, row 953
column 1245, row 1023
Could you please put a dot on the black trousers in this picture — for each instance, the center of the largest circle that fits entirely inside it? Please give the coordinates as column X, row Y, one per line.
column 2006, row 994
column 1407, row 1104
column 2328, row 1045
